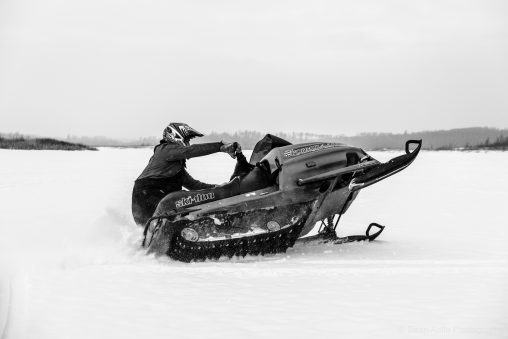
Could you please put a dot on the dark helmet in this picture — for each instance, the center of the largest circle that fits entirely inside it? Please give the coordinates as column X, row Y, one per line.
column 181, row 133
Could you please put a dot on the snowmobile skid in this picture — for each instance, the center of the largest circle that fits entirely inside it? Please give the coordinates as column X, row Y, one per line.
column 218, row 234
column 277, row 198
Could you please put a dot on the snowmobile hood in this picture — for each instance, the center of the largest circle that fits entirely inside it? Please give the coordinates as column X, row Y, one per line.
column 294, row 162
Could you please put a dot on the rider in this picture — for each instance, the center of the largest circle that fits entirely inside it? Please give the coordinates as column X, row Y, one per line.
column 166, row 173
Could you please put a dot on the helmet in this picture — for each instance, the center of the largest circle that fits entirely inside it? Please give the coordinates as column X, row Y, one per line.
column 180, row 133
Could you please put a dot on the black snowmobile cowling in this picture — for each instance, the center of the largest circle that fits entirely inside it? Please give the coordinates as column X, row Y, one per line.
column 277, row 198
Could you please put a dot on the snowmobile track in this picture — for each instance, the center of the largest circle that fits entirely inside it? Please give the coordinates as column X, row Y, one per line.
column 266, row 243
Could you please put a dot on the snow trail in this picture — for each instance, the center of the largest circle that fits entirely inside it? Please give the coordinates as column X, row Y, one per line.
column 70, row 253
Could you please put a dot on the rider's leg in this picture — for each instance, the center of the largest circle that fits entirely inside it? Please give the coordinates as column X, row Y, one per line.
column 144, row 202
column 242, row 167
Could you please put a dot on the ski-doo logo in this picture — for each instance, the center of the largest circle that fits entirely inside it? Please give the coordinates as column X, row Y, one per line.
column 193, row 199
column 294, row 152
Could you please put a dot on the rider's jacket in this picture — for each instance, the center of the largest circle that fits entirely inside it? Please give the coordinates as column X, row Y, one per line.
column 167, row 166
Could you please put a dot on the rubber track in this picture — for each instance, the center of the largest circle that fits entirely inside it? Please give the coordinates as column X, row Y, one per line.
column 261, row 244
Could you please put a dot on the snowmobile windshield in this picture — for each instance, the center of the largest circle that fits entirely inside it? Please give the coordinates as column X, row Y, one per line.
column 264, row 146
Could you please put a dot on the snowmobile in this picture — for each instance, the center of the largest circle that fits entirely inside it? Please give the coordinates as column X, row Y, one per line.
column 271, row 201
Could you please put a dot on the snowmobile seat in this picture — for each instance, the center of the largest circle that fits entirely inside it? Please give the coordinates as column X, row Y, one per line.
column 256, row 179
column 248, row 176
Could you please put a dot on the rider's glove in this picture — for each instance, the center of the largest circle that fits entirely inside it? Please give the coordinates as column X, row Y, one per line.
column 231, row 148
column 238, row 148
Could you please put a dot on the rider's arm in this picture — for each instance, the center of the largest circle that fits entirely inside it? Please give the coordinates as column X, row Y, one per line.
column 192, row 184
column 177, row 152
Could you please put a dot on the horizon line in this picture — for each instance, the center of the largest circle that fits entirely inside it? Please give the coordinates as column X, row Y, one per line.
column 69, row 135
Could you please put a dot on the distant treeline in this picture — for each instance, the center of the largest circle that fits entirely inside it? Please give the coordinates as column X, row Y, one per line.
column 103, row 141
column 460, row 138
column 500, row 143
column 17, row 141
column 463, row 138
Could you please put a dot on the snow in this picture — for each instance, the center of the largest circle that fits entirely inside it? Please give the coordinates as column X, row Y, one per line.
column 71, row 266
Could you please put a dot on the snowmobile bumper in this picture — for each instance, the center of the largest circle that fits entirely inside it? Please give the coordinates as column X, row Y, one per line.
column 373, row 170
column 382, row 171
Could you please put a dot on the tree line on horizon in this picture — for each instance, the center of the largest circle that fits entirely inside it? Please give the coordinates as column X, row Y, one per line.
column 461, row 138
column 19, row 142
column 465, row 138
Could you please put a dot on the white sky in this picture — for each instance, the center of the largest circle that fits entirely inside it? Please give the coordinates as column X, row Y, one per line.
column 125, row 68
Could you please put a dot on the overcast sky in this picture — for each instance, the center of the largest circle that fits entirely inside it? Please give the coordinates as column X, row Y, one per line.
column 125, row 68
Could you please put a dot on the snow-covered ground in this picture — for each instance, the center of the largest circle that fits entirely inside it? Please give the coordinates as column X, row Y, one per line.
column 71, row 266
